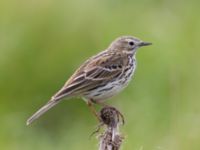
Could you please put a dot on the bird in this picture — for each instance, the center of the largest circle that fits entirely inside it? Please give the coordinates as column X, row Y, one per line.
column 101, row 76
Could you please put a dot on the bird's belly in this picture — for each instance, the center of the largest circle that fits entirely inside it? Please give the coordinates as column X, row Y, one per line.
column 105, row 92
column 111, row 89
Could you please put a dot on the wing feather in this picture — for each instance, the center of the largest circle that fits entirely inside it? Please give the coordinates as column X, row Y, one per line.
column 90, row 75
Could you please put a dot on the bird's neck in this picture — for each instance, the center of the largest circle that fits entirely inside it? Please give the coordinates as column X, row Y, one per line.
column 129, row 53
column 123, row 52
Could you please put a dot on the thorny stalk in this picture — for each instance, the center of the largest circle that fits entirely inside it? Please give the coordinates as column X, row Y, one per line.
column 111, row 138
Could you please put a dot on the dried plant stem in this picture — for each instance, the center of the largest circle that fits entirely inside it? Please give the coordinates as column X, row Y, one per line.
column 111, row 138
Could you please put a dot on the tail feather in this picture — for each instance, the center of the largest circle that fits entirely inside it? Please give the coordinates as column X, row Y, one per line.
column 64, row 92
column 42, row 110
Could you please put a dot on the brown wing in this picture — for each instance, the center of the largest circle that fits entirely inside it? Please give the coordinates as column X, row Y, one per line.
column 94, row 72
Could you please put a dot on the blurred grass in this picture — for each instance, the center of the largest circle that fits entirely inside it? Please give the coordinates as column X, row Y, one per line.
column 43, row 41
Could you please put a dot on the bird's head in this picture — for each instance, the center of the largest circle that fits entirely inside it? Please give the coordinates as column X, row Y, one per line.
column 127, row 44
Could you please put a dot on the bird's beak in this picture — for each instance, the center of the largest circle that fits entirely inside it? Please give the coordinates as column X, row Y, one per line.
column 144, row 44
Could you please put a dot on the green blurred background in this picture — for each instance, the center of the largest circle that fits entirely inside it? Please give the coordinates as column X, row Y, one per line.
column 43, row 41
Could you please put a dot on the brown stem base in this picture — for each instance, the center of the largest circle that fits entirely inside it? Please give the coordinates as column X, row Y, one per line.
column 111, row 139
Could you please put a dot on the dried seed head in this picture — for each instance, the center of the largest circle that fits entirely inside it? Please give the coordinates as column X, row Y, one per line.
column 111, row 139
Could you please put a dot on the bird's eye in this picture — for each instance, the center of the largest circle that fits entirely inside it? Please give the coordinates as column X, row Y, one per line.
column 131, row 43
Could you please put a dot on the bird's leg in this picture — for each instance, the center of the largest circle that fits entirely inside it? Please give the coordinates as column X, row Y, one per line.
column 92, row 109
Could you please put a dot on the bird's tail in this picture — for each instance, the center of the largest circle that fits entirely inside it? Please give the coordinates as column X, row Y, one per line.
column 42, row 110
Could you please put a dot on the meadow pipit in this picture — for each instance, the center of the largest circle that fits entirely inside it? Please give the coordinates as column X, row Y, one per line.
column 101, row 76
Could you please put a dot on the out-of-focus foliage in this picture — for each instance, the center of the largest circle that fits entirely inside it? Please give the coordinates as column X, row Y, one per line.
column 43, row 41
